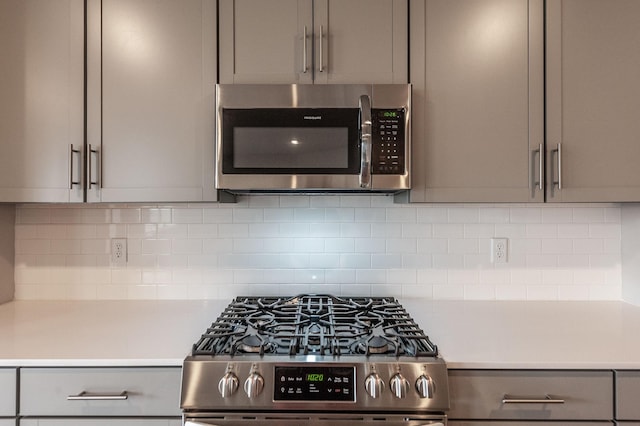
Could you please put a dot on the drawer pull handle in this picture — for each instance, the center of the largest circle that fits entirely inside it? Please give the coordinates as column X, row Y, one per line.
column 547, row 399
column 86, row 396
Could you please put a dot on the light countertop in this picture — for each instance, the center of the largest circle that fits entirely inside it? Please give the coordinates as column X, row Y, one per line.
column 503, row 335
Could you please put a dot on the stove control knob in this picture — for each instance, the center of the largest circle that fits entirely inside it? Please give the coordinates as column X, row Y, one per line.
column 425, row 386
column 228, row 384
column 399, row 385
column 253, row 385
column 374, row 385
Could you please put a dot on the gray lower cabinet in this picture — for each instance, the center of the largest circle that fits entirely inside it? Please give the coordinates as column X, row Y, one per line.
column 7, row 393
column 99, row 422
column 151, row 392
column 627, row 391
column 8, row 422
column 537, row 423
column 530, row 395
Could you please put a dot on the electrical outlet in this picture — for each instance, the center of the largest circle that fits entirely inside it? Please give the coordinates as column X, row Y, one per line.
column 499, row 250
column 119, row 251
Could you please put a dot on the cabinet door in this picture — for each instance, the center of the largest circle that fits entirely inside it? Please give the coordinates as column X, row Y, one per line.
column 321, row 41
column 41, row 100
column 477, row 73
column 627, row 391
column 8, row 387
column 593, row 100
column 100, row 392
column 543, row 423
column 151, row 82
column 495, row 395
column 99, row 422
column 361, row 41
column 264, row 41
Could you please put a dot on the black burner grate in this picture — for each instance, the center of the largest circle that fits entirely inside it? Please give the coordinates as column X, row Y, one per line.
column 315, row 325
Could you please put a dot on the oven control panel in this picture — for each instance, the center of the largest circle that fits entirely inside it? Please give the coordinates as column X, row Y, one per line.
column 315, row 383
column 388, row 139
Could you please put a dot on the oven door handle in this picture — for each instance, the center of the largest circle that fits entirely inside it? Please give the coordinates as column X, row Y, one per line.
column 365, row 141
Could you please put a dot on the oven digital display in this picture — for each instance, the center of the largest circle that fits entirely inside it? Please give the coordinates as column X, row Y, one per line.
column 315, row 377
column 314, row 384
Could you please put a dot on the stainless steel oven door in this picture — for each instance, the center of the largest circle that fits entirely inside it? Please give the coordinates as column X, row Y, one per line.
column 315, row 419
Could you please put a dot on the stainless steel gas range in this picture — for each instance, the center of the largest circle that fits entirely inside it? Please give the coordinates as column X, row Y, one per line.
column 314, row 360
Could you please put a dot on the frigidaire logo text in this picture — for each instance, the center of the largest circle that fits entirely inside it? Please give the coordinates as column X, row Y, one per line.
column 312, row 117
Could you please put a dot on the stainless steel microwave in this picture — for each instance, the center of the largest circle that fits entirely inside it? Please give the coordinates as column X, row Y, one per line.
column 313, row 138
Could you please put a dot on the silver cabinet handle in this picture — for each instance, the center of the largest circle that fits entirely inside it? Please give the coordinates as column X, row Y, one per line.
column 304, row 50
column 547, row 399
column 86, row 396
column 321, row 67
column 366, row 143
column 90, row 168
column 540, row 182
column 558, row 152
column 72, row 151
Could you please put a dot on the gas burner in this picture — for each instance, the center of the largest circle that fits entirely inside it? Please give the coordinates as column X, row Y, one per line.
column 373, row 345
column 252, row 344
column 315, row 325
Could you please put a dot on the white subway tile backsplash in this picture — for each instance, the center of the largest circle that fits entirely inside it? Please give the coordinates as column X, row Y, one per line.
column 417, row 261
column 156, row 215
column 347, row 245
column 441, row 230
column 355, row 261
column 588, row 215
column 126, row 215
column 405, row 215
column 434, row 214
column 294, row 201
column 493, row 215
column 573, row 231
column 187, row 215
column 463, row 215
column 355, row 230
column 526, row 215
column 557, row 215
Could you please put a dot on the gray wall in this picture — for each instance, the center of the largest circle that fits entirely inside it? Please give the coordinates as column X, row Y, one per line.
column 7, row 251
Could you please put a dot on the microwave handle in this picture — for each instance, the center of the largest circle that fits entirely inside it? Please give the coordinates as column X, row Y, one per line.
column 366, row 143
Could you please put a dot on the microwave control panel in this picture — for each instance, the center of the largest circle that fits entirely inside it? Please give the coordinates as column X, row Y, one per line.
column 388, row 138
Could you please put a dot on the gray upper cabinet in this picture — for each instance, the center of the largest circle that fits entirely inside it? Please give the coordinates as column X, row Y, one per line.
column 151, row 74
column 593, row 100
column 478, row 109
column 313, row 41
column 42, row 100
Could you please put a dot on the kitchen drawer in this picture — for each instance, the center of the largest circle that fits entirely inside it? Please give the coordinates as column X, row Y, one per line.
column 99, row 422
column 535, row 423
column 627, row 391
column 149, row 391
column 7, row 392
column 479, row 394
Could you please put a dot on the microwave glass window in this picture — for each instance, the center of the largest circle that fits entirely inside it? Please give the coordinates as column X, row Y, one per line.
column 290, row 147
